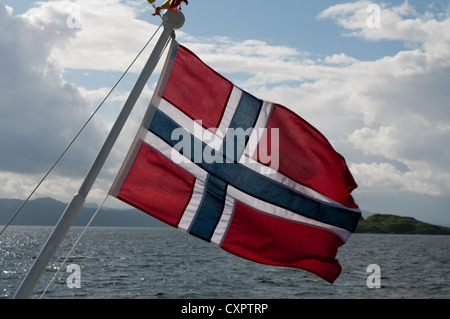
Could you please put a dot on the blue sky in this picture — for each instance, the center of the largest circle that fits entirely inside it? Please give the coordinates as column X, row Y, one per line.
column 380, row 95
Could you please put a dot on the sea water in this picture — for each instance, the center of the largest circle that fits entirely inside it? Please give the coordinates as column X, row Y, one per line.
column 166, row 263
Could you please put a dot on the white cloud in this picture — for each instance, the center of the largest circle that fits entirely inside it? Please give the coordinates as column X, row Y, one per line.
column 402, row 23
column 385, row 177
column 39, row 111
column 108, row 33
column 17, row 185
column 341, row 58
column 263, row 63
column 354, row 16
column 9, row 10
column 402, row 99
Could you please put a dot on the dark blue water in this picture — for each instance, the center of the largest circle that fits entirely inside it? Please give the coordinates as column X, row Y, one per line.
column 166, row 263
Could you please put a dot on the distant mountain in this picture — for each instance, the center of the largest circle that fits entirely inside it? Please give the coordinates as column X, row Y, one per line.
column 392, row 224
column 47, row 211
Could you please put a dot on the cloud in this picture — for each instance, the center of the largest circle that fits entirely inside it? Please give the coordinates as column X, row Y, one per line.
column 39, row 111
column 356, row 17
column 386, row 177
column 402, row 99
column 400, row 23
column 262, row 63
column 341, row 58
column 108, row 33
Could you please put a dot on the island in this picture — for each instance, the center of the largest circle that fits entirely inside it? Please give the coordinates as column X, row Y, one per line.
column 393, row 224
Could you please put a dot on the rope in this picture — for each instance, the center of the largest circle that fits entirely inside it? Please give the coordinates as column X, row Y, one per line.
column 76, row 136
column 73, row 247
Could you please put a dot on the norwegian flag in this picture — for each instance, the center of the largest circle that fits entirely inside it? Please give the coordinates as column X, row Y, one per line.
column 247, row 175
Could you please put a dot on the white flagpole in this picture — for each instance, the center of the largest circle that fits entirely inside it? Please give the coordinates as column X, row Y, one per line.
column 171, row 21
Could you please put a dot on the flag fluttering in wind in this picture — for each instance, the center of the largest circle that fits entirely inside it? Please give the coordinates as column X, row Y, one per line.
column 249, row 176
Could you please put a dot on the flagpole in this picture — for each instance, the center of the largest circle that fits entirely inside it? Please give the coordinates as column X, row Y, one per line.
column 171, row 22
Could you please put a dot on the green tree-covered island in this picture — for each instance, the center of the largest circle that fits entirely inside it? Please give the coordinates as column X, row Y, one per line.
column 393, row 224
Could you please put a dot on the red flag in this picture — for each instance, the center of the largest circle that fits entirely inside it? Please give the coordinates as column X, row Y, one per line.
column 247, row 175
